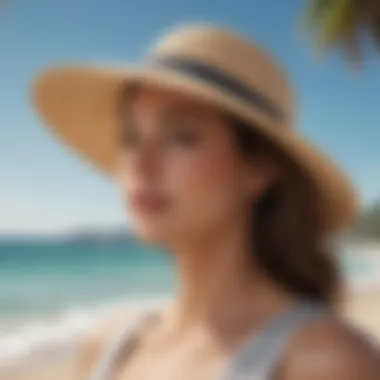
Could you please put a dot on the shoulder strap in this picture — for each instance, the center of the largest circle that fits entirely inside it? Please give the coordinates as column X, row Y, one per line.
column 122, row 343
column 258, row 359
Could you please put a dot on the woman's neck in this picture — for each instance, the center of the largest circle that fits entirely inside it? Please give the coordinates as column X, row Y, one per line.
column 220, row 287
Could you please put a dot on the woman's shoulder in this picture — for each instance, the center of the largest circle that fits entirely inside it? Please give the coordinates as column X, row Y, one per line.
column 96, row 340
column 330, row 349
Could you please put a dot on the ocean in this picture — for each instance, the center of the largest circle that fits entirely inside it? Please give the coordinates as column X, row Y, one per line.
column 52, row 291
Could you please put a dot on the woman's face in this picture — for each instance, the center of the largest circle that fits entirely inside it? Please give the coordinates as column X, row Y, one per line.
column 182, row 174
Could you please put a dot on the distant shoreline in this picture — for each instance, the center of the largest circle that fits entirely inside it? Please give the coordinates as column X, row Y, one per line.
column 80, row 235
column 93, row 236
column 120, row 234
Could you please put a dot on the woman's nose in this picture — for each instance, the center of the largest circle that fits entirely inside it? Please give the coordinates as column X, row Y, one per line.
column 146, row 163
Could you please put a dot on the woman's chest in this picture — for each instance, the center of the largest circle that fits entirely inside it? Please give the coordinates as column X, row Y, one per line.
column 177, row 363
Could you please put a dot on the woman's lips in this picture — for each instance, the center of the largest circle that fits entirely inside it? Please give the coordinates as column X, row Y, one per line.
column 149, row 202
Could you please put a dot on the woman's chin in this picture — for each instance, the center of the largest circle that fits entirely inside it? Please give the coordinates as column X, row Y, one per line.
column 154, row 236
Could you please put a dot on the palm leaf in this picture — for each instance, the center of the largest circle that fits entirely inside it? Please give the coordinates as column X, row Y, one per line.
column 315, row 11
column 333, row 24
column 374, row 27
column 337, row 23
column 343, row 24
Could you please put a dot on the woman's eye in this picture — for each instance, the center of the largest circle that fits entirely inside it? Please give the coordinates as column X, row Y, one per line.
column 187, row 138
column 129, row 138
column 184, row 132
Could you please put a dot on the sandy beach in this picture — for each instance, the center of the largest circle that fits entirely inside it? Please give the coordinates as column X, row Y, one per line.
column 59, row 369
column 361, row 309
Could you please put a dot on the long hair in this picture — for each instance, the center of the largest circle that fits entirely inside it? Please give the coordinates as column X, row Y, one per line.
column 286, row 228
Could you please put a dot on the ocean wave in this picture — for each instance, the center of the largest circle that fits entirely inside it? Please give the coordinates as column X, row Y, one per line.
column 61, row 336
column 361, row 266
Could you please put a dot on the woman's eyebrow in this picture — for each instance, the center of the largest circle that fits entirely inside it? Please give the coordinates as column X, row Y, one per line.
column 180, row 111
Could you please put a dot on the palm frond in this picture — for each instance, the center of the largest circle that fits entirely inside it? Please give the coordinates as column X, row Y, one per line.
column 374, row 27
column 315, row 11
column 336, row 24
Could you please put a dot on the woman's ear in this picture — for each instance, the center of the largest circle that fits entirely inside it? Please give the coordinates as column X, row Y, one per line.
column 263, row 172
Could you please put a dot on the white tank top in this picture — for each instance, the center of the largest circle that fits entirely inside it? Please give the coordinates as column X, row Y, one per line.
column 256, row 360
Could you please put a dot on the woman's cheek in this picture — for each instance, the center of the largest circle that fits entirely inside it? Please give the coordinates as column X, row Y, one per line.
column 201, row 175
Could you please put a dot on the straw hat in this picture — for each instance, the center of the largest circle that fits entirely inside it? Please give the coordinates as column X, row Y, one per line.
column 80, row 104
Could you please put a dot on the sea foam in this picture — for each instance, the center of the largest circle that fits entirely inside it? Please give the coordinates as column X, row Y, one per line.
column 61, row 337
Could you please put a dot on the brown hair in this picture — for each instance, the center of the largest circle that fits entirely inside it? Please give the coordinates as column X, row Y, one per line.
column 286, row 229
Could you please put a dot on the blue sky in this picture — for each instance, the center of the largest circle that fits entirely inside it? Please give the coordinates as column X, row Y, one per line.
column 43, row 189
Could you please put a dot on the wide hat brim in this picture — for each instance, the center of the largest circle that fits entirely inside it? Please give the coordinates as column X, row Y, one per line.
column 81, row 105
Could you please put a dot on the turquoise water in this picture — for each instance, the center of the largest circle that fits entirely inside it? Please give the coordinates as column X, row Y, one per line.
column 53, row 277
column 45, row 278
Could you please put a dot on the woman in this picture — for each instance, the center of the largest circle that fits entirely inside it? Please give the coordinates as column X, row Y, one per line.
column 199, row 137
